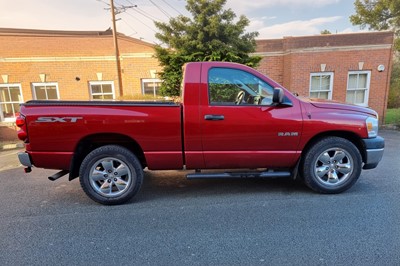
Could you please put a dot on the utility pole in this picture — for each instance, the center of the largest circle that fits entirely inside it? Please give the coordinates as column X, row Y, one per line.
column 118, row 62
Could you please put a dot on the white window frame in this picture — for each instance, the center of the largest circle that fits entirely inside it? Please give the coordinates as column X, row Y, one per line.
column 101, row 83
column 318, row 74
column 8, row 85
column 366, row 95
column 147, row 81
column 45, row 84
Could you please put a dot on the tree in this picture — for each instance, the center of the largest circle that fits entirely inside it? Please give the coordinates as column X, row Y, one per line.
column 394, row 93
column 212, row 34
column 325, row 32
column 378, row 15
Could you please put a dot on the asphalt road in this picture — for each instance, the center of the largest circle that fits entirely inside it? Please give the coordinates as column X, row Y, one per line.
column 174, row 221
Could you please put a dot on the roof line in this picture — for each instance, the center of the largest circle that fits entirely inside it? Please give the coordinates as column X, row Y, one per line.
column 67, row 33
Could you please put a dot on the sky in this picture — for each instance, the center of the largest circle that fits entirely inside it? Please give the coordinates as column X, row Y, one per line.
column 271, row 18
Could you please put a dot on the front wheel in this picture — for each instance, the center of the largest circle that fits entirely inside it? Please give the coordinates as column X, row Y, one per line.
column 332, row 165
column 111, row 175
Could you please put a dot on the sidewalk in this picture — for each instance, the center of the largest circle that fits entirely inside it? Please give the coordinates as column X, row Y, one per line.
column 8, row 137
column 11, row 145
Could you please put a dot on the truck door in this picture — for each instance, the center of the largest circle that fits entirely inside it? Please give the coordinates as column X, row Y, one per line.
column 240, row 126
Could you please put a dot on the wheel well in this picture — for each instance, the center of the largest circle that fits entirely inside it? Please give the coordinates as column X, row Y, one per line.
column 352, row 137
column 89, row 143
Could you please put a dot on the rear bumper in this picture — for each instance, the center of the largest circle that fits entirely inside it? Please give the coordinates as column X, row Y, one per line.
column 374, row 151
column 25, row 159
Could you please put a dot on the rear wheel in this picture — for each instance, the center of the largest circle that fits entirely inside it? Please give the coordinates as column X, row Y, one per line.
column 111, row 175
column 332, row 165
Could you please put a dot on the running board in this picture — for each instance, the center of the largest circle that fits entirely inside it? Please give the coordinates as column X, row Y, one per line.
column 58, row 175
column 228, row 175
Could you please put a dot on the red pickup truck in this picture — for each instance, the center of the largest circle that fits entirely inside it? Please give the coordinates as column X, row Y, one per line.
column 231, row 117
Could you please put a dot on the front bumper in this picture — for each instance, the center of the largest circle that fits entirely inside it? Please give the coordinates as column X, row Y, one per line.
column 374, row 151
column 24, row 159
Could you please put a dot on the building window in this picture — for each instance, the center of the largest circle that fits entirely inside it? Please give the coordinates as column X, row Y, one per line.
column 102, row 90
column 45, row 91
column 151, row 87
column 321, row 85
column 358, row 87
column 10, row 99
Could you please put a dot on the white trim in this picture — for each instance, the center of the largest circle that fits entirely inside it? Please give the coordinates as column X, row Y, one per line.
column 101, row 83
column 73, row 58
column 8, row 85
column 325, row 49
column 45, row 84
column 366, row 95
column 318, row 74
column 149, row 80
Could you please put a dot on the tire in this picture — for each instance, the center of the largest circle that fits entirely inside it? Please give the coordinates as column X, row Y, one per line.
column 111, row 175
column 332, row 165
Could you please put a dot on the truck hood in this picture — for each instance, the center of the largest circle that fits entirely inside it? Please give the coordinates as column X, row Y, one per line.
column 327, row 104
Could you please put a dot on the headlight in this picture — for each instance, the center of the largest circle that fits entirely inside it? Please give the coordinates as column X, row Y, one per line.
column 372, row 127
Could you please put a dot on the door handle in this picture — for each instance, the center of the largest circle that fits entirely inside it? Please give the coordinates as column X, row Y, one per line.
column 214, row 117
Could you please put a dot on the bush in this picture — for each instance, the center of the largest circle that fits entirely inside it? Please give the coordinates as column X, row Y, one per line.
column 393, row 117
column 394, row 91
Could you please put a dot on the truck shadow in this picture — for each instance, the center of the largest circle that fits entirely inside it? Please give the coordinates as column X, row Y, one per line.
column 173, row 184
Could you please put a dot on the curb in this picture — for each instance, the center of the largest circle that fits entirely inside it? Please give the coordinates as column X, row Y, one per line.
column 11, row 146
column 390, row 127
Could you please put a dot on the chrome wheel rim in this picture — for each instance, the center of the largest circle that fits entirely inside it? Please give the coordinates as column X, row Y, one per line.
column 110, row 177
column 333, row 167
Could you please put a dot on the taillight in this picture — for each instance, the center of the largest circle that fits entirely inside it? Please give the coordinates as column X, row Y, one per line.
column 22, row 134
column 20, row 121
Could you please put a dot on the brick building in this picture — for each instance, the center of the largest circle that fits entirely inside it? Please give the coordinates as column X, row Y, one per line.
column 70, row 65
column 80, row 65
column 353, row 68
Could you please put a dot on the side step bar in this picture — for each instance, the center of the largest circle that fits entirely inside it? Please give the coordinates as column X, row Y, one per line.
column 228, row 175
column 58, row 175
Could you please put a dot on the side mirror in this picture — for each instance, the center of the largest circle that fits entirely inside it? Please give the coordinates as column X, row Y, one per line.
column 277, row 97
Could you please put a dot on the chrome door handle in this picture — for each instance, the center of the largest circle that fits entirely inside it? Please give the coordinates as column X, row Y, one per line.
column 214, row 117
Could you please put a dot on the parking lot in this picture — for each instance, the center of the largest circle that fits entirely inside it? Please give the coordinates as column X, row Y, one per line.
column 174, row 221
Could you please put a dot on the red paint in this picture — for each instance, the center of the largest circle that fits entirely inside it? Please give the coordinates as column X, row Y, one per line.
column 171, row 136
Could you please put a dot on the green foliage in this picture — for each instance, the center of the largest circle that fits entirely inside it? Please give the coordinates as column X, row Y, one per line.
column 394, row 92
column 378, row 15
column 392, row 117
column 223, row 92
column 325, row 32
column 212, row 34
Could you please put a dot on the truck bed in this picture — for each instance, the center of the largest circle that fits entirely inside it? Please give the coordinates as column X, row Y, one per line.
column 56, row 129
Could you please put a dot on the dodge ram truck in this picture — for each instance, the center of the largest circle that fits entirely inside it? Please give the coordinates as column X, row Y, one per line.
column 230, row 117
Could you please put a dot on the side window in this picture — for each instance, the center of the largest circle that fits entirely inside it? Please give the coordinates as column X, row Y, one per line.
column 228, row 86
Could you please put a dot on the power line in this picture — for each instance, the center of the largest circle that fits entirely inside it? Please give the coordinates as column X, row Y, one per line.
column 135, row 32
column 172, row 7
column 122, row 8
column 129, row 14
column 145, row 14
column 162, row 10
column 104, row 2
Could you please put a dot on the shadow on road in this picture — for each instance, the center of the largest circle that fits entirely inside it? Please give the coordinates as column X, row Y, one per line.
column 173, row 184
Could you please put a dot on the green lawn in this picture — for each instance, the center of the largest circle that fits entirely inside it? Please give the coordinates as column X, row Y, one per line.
column 393, row 116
